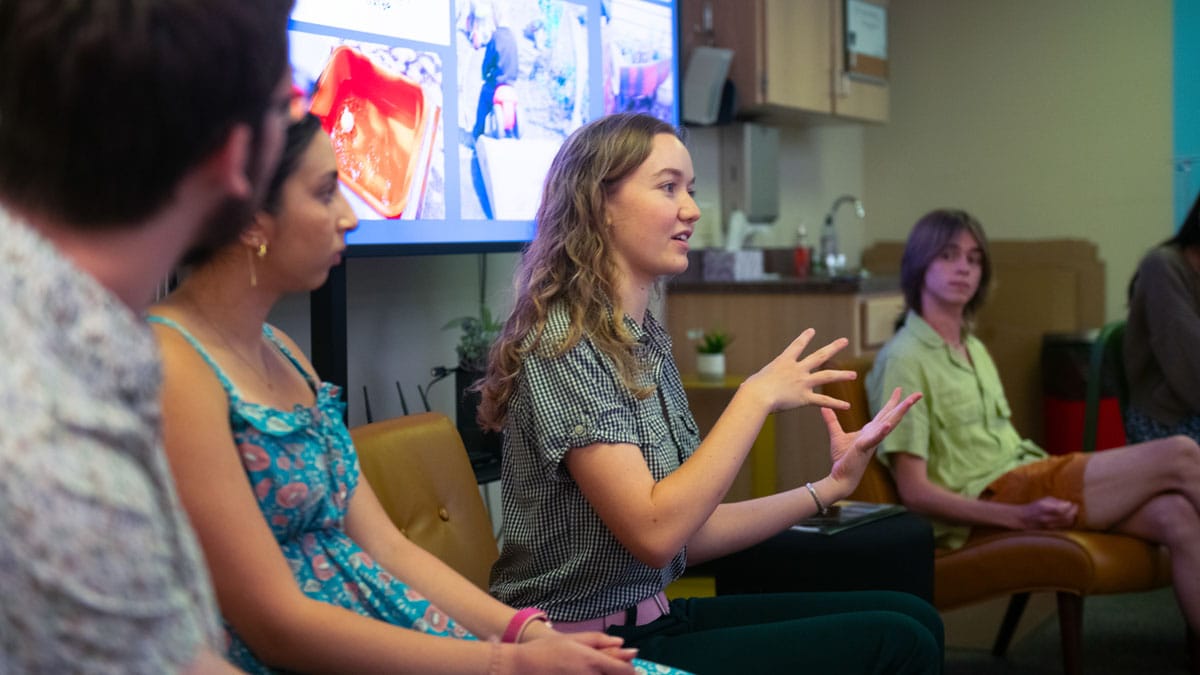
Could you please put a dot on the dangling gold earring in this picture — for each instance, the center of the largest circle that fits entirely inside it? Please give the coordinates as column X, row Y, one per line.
column 253, row 275
column 262, row 250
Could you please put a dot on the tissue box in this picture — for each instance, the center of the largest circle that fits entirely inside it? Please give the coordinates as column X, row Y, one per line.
column 733, row 265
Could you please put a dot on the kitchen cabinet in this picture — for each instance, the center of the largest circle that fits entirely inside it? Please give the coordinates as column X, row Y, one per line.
column 764, row 317
column 789, row 56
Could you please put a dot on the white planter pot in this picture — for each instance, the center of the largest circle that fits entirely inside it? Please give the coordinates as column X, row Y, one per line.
column 710, row 367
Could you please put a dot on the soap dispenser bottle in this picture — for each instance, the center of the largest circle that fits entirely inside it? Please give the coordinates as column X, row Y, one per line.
column 829, row 248
column 803, row 254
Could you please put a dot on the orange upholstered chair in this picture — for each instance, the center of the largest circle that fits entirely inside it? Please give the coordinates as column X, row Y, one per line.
column 1072, row 564
column 418, row 467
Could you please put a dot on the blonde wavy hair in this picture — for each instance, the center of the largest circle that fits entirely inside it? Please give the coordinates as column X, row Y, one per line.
column 570, row 260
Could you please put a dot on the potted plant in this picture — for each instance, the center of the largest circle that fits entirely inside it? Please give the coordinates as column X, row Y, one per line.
column 710, row 354
column 474, row 342
column 478, row 334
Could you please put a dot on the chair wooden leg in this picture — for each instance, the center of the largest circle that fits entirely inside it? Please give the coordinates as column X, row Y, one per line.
column 1070, row 627
column 1012, row 616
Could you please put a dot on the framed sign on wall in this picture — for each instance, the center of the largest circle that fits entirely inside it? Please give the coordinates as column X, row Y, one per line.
column 866, row 41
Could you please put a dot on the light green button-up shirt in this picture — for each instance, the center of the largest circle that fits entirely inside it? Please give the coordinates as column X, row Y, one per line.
column 961, row 427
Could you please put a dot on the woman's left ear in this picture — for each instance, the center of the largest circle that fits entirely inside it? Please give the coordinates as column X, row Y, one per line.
column 256, row 233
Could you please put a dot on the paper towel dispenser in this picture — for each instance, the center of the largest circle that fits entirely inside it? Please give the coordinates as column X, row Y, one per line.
column 704, row 84
column 750, row 171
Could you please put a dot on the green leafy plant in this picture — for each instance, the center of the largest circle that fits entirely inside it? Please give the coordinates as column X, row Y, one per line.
column 713, row 341
column 478, row 334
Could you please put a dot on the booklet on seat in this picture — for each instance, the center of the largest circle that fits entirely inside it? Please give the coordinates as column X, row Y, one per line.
column 847, row 514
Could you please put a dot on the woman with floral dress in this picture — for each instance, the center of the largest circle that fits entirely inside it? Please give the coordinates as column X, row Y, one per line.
column 310, row 573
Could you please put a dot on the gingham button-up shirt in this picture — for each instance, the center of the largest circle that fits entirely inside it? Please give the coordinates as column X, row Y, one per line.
column 558, row 555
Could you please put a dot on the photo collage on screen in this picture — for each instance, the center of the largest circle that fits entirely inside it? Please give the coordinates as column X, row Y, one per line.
column 445, row 114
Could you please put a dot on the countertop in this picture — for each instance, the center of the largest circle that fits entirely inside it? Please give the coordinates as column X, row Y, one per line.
column 782, row 284
column 780, row 278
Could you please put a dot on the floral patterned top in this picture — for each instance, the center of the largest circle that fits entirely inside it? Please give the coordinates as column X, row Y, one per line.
column 100, row 571
column 303, row 469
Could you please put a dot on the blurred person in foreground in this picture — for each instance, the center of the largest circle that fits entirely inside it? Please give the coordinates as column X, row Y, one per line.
column 130, row 132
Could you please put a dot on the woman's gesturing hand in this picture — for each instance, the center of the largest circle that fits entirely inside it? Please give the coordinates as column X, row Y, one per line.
column 790, row 381
column 851, row 451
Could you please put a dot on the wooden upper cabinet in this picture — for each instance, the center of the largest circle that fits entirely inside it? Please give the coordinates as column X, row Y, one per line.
column 797, row 54
column 788, row 56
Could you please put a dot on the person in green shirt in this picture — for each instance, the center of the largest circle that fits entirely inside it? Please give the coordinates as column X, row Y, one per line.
column 956, row 457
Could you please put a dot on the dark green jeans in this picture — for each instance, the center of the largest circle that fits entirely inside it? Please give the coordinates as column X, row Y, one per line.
column 882, row 632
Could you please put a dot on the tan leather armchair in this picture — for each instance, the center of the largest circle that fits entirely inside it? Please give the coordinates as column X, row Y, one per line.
column 1072, row 564
column 418, row 467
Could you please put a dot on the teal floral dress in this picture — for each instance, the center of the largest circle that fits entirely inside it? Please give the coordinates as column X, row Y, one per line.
column 303, row 469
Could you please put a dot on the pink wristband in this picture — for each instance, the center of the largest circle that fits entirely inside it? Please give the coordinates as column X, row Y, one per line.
column 520, row 620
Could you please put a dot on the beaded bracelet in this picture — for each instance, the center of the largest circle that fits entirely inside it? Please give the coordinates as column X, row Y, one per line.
column 813, row 491
column 494, row 658
column 520, row 621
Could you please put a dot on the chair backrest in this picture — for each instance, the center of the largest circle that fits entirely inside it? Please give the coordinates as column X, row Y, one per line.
column 1107, row 356
column 418, row 467
column 876, row 484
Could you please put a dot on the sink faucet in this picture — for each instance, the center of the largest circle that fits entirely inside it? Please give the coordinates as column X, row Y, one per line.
column 830, row 256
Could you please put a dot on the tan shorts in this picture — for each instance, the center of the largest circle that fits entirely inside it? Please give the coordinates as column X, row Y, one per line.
column 1058, row 476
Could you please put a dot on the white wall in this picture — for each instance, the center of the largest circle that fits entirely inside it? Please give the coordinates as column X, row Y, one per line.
column 817, row 163
column 395, row 313
column 1044, row 119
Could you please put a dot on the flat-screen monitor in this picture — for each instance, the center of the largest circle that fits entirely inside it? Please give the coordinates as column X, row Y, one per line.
column 445, row 114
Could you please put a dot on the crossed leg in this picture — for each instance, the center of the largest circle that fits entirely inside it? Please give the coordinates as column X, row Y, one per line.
column 1118, row 482
column 1152, row 490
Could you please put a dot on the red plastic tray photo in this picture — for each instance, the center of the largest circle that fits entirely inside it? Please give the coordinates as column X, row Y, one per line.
column 375, row 118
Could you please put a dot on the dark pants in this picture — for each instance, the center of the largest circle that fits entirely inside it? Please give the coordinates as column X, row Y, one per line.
column 893, row 554
column 844, row 632
column 486, row 93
